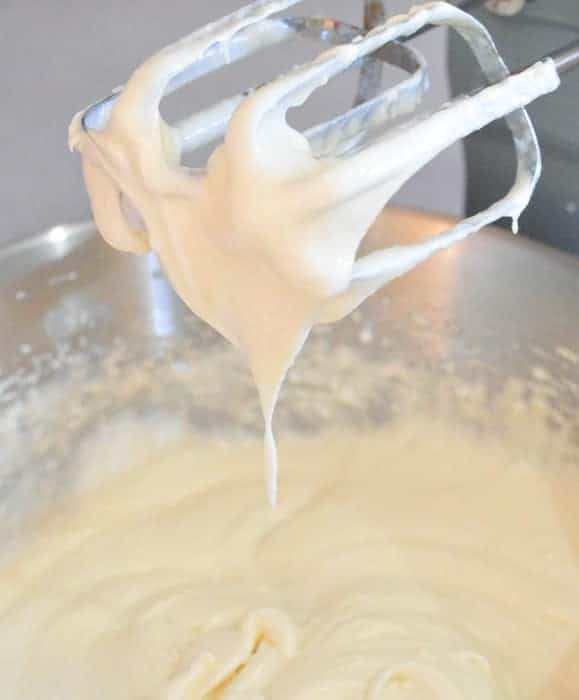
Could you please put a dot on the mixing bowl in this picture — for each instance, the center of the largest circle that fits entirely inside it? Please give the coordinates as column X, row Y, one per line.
column 90, row 336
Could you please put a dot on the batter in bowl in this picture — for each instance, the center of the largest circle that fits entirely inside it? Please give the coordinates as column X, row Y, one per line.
column 416, row 562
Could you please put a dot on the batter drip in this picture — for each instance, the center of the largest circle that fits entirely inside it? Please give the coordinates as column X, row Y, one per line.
column 263, row 245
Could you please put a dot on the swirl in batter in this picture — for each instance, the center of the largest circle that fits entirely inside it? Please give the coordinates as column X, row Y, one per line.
column 413, row 563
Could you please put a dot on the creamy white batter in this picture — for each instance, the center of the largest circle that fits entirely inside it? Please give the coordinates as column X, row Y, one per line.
column 412, row 563
column 263, row 245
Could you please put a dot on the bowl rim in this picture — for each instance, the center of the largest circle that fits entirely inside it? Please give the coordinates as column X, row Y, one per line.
column 60, row 236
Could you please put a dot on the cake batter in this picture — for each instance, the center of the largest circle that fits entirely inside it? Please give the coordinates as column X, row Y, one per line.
column 263, row 245
column 416, row 562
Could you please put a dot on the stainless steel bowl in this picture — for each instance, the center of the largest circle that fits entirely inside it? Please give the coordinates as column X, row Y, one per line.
column 89, row 334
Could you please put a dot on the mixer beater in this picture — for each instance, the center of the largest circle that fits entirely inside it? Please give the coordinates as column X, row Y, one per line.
column 376, row 110
column 277, row 219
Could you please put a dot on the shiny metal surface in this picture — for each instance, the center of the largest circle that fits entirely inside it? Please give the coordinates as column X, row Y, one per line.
column 371, row 73
column 88, row 334
column 567, row 58
column 493, row 293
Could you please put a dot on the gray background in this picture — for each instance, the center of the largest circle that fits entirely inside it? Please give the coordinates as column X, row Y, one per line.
column 59, row 56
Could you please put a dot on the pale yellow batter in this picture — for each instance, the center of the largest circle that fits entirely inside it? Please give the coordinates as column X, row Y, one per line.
column 416, row 563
